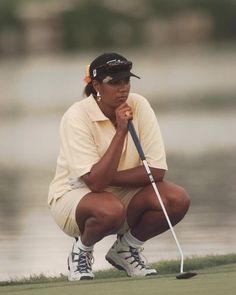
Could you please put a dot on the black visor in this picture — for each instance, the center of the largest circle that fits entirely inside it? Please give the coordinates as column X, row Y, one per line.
column 112, row 67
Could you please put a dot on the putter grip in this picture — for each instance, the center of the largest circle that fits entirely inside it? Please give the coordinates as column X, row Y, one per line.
column 136, row 140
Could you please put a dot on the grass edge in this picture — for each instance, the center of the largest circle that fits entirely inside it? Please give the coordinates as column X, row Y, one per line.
column 163, row 267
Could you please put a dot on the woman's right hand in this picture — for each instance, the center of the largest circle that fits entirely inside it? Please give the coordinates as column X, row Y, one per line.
column 123, row 115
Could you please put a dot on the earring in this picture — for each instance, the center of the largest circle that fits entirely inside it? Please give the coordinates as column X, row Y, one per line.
column 98, row 97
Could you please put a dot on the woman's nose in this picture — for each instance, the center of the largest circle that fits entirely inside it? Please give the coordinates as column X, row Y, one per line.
column 123, row 85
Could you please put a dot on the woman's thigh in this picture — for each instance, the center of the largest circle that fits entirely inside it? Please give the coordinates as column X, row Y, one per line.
column 63, row 212
column 74, row 208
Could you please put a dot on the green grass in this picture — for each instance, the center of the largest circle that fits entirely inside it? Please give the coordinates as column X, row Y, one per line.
column 215, row 280
column 216, row 275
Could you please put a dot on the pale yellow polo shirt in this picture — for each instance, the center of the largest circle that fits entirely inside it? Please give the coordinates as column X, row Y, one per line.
column 86, row 133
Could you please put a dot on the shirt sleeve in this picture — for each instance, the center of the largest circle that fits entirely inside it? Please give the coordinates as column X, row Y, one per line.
column 78, row 145
column 150, row 136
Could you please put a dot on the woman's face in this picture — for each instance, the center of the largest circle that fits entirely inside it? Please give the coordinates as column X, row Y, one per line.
column 113, row 94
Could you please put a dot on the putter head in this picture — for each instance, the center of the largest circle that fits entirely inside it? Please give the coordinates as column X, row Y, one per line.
column 186, row 275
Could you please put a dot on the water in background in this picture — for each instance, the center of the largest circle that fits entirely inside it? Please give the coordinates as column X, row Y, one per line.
column 200, row 148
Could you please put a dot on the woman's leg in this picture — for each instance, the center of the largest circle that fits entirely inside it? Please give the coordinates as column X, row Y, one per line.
column 146, row 220
column 99, row 215
column 144, row 213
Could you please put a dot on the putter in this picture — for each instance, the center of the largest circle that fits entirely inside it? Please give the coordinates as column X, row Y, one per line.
column 182, row 274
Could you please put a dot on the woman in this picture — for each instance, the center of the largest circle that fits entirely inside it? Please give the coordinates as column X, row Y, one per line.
column 100, row 187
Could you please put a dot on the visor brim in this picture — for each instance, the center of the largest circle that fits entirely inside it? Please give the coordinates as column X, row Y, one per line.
column 119, row 76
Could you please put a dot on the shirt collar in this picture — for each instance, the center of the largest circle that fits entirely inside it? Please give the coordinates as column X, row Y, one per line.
column 94, row 112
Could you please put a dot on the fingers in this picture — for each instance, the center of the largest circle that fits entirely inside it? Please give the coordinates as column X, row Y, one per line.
column 129, row 113
column 124, row 111
column 123, row 115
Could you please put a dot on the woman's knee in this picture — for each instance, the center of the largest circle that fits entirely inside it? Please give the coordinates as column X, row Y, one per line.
column 183, row 198
column 104, row 209
column 180, row 201
column 112, row 218
column 111, row 213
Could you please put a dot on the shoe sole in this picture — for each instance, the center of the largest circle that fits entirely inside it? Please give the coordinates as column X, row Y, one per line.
column 119, row 267
column 84, row 278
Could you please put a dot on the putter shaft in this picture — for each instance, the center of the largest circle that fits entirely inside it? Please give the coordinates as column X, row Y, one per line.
column 143, row 158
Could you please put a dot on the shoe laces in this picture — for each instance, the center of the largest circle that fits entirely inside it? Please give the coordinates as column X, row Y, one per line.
column 139, row 258
column 84, row 262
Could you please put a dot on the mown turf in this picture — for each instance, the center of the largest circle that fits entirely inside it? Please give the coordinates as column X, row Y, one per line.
column 217, row 280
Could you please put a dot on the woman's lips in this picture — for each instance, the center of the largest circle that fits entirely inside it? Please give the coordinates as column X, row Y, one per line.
column 122, row 98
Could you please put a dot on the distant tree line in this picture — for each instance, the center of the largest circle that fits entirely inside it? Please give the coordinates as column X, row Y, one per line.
column 95, row 24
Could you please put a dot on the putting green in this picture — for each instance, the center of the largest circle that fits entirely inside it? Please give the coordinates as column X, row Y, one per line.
column 216, row 281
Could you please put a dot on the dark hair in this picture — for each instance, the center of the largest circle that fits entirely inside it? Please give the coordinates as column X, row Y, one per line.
column 89, row 89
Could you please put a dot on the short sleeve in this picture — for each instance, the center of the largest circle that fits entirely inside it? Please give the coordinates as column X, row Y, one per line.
column 78, row 145
column 150, row 136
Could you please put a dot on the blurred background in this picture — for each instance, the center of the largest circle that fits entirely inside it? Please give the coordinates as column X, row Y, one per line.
column 185, row 53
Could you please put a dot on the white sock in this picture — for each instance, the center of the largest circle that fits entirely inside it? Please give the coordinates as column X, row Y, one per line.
column 129, row 240
column 81, row 246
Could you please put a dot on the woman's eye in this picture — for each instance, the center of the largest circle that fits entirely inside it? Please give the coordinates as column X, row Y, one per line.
column 114, row 82
column 119, row 82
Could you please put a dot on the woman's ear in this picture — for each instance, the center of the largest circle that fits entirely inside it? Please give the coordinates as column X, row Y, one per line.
column 95, row 84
